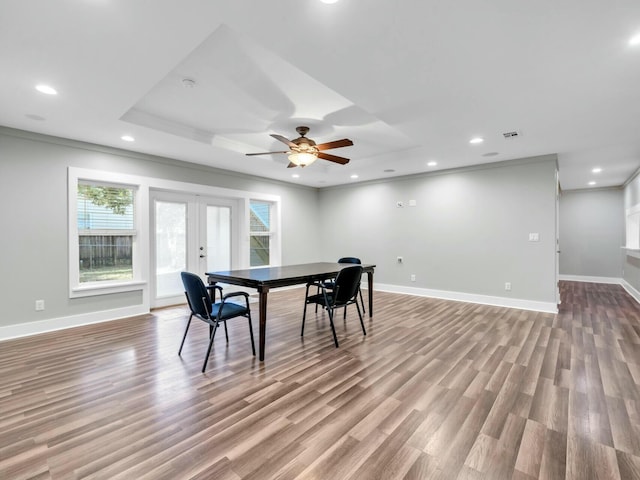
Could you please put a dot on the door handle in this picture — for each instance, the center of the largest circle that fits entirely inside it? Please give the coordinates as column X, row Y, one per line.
column 202, row 256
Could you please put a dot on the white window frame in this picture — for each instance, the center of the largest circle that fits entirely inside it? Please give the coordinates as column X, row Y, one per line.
column 140, row 240
column 273, row 233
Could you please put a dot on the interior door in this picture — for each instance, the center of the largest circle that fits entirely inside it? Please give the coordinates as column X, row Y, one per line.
column 190, row 233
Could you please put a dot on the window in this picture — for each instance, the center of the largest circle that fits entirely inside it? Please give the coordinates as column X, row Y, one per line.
column 260, row 233
column 105, row 233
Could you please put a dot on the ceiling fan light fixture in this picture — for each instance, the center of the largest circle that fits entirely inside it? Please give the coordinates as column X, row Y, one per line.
column 302, row 159
column 304, row 151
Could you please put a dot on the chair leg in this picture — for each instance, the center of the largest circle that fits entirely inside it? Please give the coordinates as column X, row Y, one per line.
column 185, row 334
column 304, row 316
column 226, row 332
column 364, row 332
column 206, row 358
column 253, row 347
column 361, row 300
column 333, row 329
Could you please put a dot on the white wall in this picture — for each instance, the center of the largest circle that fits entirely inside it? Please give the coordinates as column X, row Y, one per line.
column 591, row 233
column 468, row 233
column 33, row 188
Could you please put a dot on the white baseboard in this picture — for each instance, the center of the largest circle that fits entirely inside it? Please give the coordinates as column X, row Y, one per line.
column 52, row 324
column 630, row 290
column 584, row 278
column 534, row 305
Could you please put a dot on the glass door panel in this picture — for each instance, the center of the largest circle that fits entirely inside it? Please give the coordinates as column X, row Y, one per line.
column 171, row 247
column 218, row 238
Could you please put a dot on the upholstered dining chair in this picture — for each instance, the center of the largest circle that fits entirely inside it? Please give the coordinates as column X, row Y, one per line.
column 343, row 293
column 329, row 283
column 355, row 261
column 212, row 313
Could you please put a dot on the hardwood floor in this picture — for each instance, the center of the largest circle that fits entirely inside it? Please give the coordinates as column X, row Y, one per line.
column 436, row 390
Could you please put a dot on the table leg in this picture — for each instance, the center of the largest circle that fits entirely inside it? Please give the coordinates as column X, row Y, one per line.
column 370, row 289
column 262, row 291
column 212, row 291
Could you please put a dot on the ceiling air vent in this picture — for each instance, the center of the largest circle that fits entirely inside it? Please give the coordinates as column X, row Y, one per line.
column 513, row 134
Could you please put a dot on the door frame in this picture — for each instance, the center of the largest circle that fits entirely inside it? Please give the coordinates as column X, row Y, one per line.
column 196, row 236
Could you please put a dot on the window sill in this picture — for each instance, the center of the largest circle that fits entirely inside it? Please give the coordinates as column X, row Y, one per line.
column 105, row 289
column 632, row 252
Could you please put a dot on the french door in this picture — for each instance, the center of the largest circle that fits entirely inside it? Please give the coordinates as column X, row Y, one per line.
column 190, row 233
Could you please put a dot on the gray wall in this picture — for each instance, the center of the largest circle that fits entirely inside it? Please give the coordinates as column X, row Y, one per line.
column 33, row 185
column 468, row 232
column 592, row 232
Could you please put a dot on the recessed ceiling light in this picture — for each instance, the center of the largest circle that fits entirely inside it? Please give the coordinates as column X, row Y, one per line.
column 188, row 82
column 596, row 170
column 354, row 176
column 329, row 1
column 295, row 175
column 635, row 40
column 592, row 182
column 127, row 138
column 389, row 170
column 33, row 116
column 432, row 164
column 46, row 89
column 476, row 140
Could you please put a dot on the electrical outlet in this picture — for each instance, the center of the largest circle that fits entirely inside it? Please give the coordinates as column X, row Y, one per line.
column 413, row 277
column 39, row 305
column 507, row 286
column 534, row 237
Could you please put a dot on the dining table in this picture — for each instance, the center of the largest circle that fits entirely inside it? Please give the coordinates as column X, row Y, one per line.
column 264, row 279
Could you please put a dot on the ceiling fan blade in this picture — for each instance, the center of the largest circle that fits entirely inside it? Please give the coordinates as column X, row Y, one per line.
column 265, row 153
column 283, row 140
column 291, row 165
column 345, row 142
column 333, row 158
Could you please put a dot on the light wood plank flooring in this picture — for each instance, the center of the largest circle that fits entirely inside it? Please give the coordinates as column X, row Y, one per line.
column 436, row 390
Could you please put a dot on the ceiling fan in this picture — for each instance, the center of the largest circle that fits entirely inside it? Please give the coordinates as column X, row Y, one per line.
column 303, row 151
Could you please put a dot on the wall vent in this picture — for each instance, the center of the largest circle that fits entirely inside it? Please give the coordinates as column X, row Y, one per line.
column 513, row 134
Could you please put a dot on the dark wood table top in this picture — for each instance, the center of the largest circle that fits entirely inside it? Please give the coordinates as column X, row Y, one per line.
column 281, row 276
